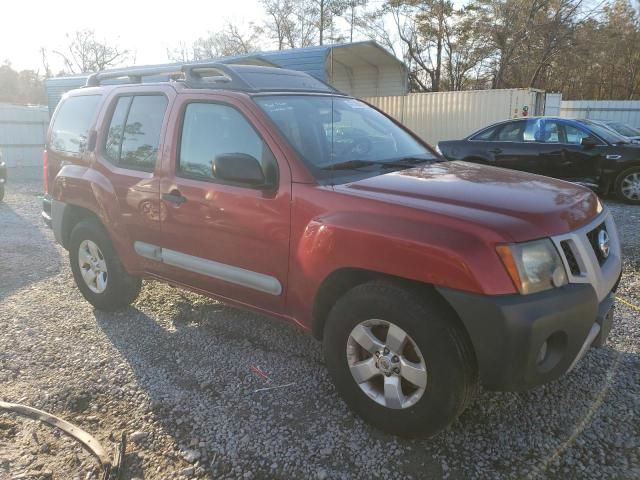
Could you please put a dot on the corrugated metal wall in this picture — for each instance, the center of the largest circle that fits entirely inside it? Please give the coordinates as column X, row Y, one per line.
column 625, row 111
column 552, row 103
column 452, row 115
column 22, row 133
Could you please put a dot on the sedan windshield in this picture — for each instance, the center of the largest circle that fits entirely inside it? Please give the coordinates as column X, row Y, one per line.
column 623, row 129
column 608, row 135
column 338, row 137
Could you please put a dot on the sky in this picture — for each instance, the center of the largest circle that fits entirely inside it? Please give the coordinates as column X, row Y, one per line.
column 147, row 27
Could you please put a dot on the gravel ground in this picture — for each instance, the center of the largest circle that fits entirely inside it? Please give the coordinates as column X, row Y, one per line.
column 175, row 371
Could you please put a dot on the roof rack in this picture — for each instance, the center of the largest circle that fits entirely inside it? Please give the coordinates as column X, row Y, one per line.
column 219, row 75
column 194, row 73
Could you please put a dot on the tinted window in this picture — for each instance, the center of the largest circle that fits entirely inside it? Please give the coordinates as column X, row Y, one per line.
column 487, row 134
column 575, row 135
column 116, row 129
column 210, row 130
column 550, row 132
column 624, row 129
column 73, row 120
column 511, row 132
column 533, row 132
column 604, row 133
column 134, row 131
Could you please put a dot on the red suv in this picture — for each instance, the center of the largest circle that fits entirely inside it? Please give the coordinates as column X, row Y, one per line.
column 268, row 189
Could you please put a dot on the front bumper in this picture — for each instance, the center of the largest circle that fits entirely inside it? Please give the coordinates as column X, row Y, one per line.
column 524, row 341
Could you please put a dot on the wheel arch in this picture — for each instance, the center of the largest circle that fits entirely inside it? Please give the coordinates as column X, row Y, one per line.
column 71, row 216
column 340, row 281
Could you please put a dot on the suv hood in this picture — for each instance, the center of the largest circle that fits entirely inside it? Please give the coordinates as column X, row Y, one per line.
column 518, row 206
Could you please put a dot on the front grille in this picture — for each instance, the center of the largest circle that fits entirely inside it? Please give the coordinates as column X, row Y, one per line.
column 593, row 241
column 571, row 258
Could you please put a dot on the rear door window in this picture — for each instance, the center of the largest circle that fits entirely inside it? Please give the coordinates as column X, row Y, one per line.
column 134, row 131
column 70, row 129
column 511, row 132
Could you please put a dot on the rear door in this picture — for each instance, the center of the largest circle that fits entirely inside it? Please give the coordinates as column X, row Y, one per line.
column 128, row 148
column 509, row 150
column 229, row 239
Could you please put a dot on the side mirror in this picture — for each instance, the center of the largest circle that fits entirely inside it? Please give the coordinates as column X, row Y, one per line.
column 588, row 142
column 238, row 168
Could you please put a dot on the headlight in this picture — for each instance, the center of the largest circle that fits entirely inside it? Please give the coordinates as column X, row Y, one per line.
column 437, row 149
column 533, row 266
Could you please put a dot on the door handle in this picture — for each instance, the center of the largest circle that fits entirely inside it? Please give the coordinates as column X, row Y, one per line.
column 496, row 151
column 174, row 197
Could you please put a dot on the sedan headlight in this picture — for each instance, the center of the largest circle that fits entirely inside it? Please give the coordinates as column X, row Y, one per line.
column 438, row 151
column 533, row 266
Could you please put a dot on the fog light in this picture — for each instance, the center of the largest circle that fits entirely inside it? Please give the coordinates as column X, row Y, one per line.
column 551, row 351
column 542, row 354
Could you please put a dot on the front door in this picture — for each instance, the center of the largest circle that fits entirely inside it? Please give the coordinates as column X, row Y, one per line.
column 579, row 163
column 226, row 238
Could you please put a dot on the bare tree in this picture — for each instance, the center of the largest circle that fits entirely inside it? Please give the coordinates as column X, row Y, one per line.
column 353, row 16
column 281, row 24
column 306, row 15
column 44, row 57
column 327, row 11
column 85, row 53
column 183, row 53
column 230, row 41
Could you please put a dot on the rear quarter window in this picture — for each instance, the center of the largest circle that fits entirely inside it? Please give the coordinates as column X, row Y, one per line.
column 486, row 135
column 72, row 122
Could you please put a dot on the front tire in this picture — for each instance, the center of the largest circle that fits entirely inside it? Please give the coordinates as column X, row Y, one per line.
column 399, row 358
column 1, row 192
column 97, row 270
column 628, row 186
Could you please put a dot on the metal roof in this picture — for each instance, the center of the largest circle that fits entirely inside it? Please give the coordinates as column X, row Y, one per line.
column 316, row 61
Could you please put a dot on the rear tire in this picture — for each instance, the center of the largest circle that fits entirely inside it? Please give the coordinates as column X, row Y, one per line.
column 1, row 192
column 434, row 340
column 627, row 186
column 97, row 270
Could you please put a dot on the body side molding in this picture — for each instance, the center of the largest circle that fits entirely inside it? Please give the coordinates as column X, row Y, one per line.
column 221, row 271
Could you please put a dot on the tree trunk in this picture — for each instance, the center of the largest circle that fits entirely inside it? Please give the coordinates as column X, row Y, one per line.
column 321, row 20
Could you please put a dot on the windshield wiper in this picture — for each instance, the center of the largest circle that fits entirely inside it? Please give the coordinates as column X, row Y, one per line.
column 405, row 162
column 350, row 165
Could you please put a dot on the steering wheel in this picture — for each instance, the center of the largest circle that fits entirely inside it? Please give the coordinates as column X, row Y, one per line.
column 361, row 146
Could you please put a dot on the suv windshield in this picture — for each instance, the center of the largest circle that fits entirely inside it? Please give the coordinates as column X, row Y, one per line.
column 338, row 136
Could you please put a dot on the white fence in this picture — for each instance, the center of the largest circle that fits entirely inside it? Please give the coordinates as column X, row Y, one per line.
column 451, row 115
column 22, row 133
column 625, row 111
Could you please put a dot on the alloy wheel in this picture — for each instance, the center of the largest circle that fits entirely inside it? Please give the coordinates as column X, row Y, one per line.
column 386, row 364
column 630, row 186
column 93, row 266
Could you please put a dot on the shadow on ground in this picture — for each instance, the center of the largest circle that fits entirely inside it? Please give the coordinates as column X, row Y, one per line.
column 194, row 369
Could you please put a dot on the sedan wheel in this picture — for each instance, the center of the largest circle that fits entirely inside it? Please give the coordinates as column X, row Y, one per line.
column 630, row 186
